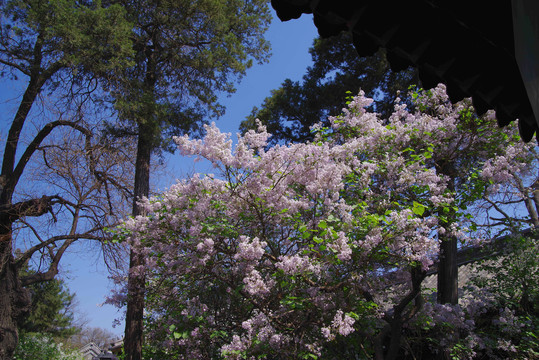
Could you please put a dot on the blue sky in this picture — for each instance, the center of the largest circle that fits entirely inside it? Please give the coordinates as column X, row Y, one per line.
column 83, row 270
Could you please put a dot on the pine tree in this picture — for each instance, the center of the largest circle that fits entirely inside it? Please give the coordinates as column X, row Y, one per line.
column 51, row 311
column 336, row 72
column 186, row 54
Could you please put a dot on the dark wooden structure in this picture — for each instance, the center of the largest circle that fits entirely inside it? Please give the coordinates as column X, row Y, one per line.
column 474, row 47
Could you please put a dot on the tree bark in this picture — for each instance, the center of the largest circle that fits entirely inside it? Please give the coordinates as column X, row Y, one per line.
column 447, row 281
column 448, row 272
column 447, row 285
column 136, row 281
column 14, row 299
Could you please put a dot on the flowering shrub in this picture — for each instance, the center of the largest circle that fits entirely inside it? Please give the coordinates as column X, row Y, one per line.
column 268, row 242
column 296, row 250
column 495, row 333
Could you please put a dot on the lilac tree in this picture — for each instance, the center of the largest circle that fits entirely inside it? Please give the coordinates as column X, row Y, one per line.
column 501, row 312
column 451, row 141
column 308, row 250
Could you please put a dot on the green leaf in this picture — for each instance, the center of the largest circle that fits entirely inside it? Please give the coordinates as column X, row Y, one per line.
column 418, row 209
column 353, row 315
column 218, row 333
column 182, row 335
column 331, row 217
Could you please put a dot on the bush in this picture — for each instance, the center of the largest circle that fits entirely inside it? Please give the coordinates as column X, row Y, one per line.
column 38, row 346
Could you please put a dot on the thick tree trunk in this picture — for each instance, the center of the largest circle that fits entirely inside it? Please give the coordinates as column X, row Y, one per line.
column 447, row 266
column 14, row 299
column 8, row 327
column 136, row 281
column 448, row 272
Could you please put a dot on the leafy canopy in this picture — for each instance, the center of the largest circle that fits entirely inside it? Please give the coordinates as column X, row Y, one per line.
column 187, row 53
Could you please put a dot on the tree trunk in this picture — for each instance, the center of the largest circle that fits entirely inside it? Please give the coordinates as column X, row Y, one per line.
column 136, row 281
column 448, row 272
column 14, row 299
column 8, row 327
column 447, row 265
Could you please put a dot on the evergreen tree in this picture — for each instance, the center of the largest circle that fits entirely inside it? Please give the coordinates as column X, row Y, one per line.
column 186, row 54
column 51, row 311
column 292, row 109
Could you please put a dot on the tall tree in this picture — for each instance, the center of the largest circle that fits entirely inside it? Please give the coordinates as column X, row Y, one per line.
column 48, row 45
column 293, row 108
column 186, row 53
column 468, row 146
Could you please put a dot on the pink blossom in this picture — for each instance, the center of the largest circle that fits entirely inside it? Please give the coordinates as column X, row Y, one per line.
column 341, row 324
column 234, row 349
column 255, row 285
column 250, row 249
column 296, row 264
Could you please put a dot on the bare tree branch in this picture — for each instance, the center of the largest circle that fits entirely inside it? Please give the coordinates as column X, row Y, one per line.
column 33, row 146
